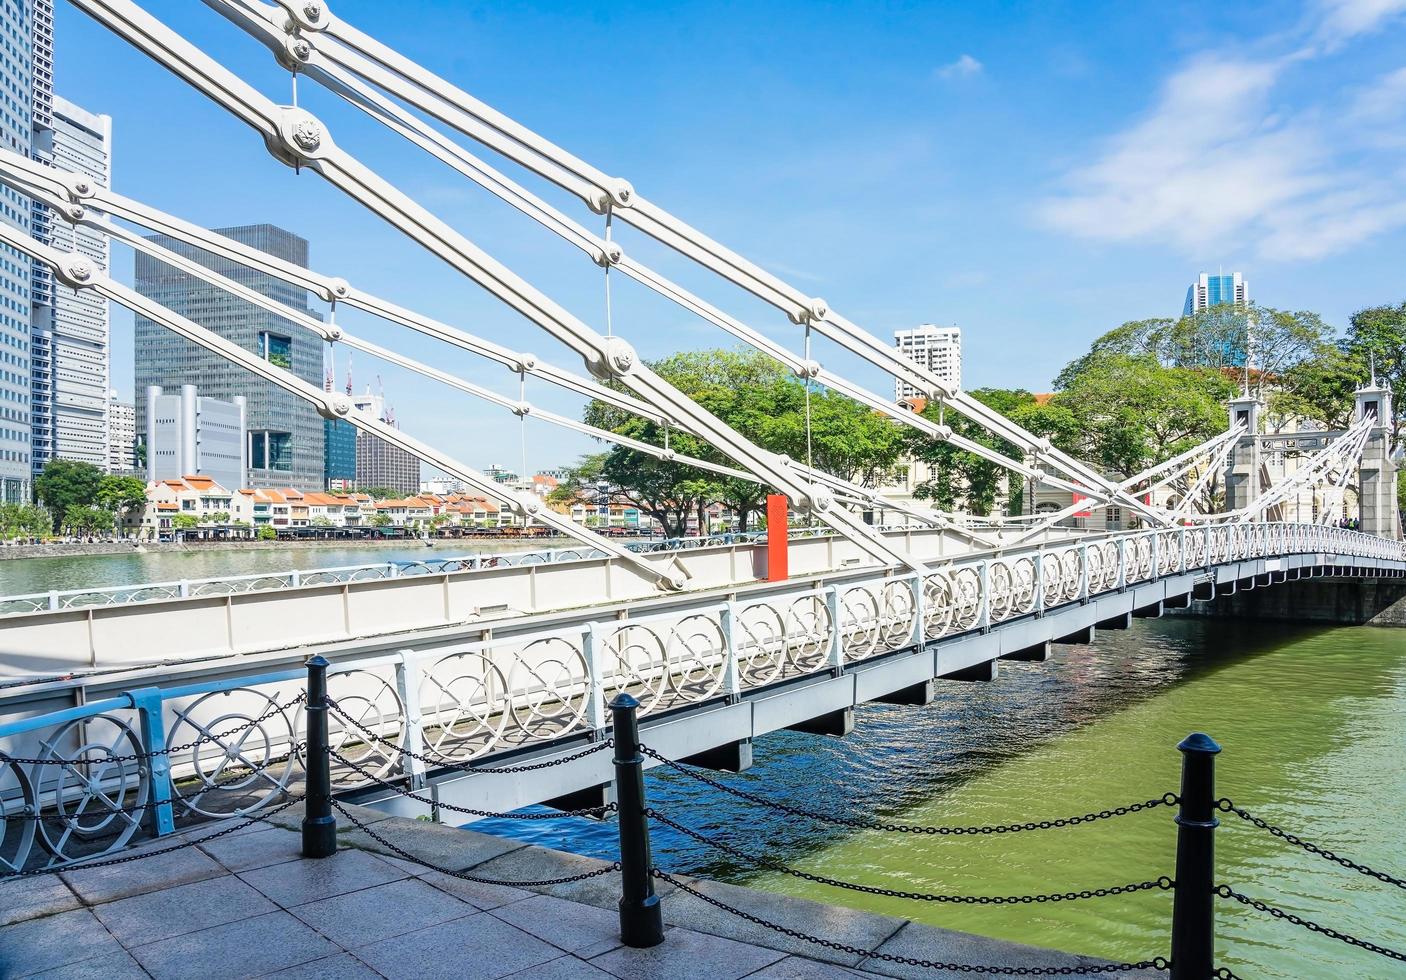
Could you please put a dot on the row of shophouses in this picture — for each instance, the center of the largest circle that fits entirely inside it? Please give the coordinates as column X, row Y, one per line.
column 211, row 509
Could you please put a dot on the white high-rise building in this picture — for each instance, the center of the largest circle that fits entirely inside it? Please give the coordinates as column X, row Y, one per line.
column 1216, row 290
column 189, row 435
column 70, row 327
column 26, row 106
column 939, row 349
column 122, row 437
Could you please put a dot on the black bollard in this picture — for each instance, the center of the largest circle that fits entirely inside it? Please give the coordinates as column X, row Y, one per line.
column 1193, row 913
column 641, row 918
column 319, row 825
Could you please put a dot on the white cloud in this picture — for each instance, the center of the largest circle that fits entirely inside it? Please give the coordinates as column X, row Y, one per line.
column 1216, row 166
column 963, row 67
column 1342, row 20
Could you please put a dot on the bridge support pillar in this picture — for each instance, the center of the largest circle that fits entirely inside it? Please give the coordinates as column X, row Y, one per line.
column 1376, row 478
column 582, row 799
column 1084, row 636
column 1153, row 611
column 1120, row 622
column 1205, row 591
column 732, row 757
column 916, row 694
column 837, row 723
column 985, row 671
column 1036, row 654
column 1242, row 475
column 1182, row 601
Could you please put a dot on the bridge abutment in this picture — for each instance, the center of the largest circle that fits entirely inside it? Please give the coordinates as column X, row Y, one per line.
column 1340, row 600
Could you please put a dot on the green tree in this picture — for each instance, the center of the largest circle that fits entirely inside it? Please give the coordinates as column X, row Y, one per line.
column 961, row 478
column 121, row 494
column 66, row 483
column 1377, row 335
column 218, row 517
column 185, row 522
column 382, row 493
column 321, row 521
column 24, row 521
column 266, row 533
column 380, row 520
column 85, row 520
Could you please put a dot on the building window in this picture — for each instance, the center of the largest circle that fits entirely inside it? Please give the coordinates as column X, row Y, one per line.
column 276, row 349
column 271, row 450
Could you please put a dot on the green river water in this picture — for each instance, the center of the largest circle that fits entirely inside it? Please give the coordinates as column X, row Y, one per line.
column 1313, row 729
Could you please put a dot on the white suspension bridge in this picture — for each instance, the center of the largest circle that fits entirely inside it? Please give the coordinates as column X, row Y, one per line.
column 452, row 668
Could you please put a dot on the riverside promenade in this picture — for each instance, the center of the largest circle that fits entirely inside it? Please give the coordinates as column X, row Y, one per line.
column 238, row 900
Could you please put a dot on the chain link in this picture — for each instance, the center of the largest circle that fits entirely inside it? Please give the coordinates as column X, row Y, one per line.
column 1163, row 883
column 1223, row 973
column 402, row 853
column 593, row 811
column 1225, row 891
column 81, row 864
column 1167, row 799
column 169, row 750
column 1227, row 806
column 443, row 763
column 1158, row 963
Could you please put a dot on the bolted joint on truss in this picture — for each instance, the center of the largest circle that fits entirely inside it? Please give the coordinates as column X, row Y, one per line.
column 814, row 311
column 619, row 193
column 807, row 370
column 616, row 359
column 608, row 254
column 334, row 408
column 300, row 137
column 305, row 15
column 76, row 271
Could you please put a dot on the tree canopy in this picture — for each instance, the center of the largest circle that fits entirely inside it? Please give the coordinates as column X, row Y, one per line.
column 66, row 483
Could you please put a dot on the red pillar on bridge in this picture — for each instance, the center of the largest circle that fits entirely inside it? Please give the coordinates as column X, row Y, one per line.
column 778, row 511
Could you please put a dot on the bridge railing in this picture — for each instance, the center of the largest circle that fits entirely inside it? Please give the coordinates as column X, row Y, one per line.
column 150, row 756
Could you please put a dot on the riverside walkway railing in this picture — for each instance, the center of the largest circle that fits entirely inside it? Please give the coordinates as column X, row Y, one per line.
column 1194, row 884
column 121, row 595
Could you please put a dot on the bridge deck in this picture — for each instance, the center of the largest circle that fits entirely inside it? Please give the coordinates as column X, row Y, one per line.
column 246, row 904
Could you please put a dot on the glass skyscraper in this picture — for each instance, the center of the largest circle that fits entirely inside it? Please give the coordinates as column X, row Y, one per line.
column 26, row 106
column 1218, row 290
column 286, row 435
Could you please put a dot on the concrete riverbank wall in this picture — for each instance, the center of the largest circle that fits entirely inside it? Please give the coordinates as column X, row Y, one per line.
column 1339, row 601
column 79, row 549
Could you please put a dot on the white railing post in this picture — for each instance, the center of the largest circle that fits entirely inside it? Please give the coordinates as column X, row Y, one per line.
column 54, row 600
column 1040, row 581
column 183, row 588
column 1122, row 563
column 392, row 569
column 1084, row 570
column 1210, row 558
column 1183, row 537
column 412, row 735
column 920, row 630
column 593, row 647
column 837, row 647
column 983, row 621
column 295, row 579
column 732, row 676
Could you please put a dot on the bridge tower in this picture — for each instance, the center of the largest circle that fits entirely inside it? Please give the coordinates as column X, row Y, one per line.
column 1376, row 495
column 1242, row 476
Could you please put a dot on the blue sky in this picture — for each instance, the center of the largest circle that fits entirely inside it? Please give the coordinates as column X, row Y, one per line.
column 1035, row 173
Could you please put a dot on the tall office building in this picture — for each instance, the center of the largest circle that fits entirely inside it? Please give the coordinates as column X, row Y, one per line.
column 378, row 463
column 285, row 440
column 26, row 106
column 1208, row 291
column 70, row 327
column 122, row 435
column 939, row 349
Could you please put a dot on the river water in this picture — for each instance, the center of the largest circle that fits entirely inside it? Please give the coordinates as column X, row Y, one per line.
column 1313, row 726
column 22, row 576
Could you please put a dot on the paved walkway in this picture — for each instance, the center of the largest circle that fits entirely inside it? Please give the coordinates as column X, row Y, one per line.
column 247, row 905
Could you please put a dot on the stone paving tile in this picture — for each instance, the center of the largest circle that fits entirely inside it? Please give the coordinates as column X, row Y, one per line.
column 40, row 895
column 564, row 968
column 250, row 948
column 373, row 914
column 479, row 947
column 245, row 852
column 300, row 882
column 574, row 928
column 479, row 895
column 850, row 926
column 343, row 967
column 445, row 847
column 800, row 968
column 688, row 955
column 175, row 911
column 53, row 941
column 97, row 885
column 109, row 966
column 538, row 863
column 948, row 946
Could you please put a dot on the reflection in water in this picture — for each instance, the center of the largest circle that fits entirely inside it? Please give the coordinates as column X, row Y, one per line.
column 1313, row 725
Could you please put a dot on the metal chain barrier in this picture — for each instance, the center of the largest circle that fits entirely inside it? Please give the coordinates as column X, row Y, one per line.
column 1227, row 806
column 1167, row 799
column 459, row 766
column 1225, row 891
column 1157, row 963
column 1163, row 883
column 81, row 865
column 594, row 811
column 277, row 709
column 406, row 855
